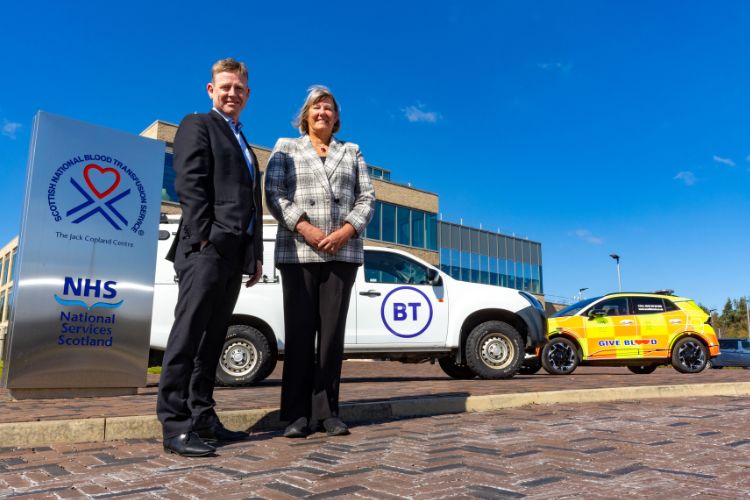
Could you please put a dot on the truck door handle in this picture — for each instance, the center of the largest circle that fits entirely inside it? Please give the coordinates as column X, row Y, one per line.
column 370, row 293
column 626, row 322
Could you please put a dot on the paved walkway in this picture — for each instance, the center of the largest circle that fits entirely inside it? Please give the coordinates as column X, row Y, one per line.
column 362, row 382
column 657, row 448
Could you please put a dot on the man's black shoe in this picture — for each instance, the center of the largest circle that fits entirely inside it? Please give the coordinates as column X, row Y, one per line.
column 188, row 445
column 217, row 433
column 334, row 426
column 297, row 429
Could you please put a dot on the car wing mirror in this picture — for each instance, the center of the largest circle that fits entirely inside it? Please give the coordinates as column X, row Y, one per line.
column 597, row 313
column 433, row 277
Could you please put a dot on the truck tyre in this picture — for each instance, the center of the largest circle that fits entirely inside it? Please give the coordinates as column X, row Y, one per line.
column 494, row 350
column 245, row 358
column 642, row 369
column 459, row 372
column 530, row 366
column 689, row 355
column 560, row 356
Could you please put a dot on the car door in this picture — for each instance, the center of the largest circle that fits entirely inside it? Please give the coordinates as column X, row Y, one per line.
column 396, row 304
column 656, row 326
column 610, row 329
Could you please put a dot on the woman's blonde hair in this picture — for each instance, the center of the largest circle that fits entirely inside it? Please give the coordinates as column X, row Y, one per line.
column 315, row 94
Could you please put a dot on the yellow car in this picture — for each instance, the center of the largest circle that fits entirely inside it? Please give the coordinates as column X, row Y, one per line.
column 637, row 330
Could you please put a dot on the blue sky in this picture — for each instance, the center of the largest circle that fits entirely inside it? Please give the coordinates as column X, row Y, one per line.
column 590, row 126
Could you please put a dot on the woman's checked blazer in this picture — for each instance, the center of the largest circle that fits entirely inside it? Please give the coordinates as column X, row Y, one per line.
column 298, row 185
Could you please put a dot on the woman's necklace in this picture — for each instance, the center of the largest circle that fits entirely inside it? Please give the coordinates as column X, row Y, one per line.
column 321, row 146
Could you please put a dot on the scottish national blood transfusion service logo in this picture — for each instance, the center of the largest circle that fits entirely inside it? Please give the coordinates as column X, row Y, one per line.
column 406, row 312
column 98, row 187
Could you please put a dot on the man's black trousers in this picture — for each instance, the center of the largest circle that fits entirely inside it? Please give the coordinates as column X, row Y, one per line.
column 208, row 288
column 316, row 302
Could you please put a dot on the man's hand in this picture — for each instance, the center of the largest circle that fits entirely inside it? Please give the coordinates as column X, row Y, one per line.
column 255, row 277
column 337, row 239
column 312, row 234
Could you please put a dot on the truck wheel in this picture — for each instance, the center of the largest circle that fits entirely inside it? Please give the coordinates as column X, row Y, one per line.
column 530, row 366
column 642, row 369
column 245, row 358
column 459, row 372
column 560, row 356
column 689, row 355
column 494, row 350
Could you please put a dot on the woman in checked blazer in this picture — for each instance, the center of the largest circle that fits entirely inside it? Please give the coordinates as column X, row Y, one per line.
column 318, row 188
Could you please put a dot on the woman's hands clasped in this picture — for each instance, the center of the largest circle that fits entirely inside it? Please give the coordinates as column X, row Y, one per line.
column 316, row 238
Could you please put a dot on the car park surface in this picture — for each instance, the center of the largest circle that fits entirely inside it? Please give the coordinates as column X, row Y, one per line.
column 637, row 330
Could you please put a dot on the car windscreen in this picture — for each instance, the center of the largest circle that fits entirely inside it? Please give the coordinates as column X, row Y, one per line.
column 574, row 308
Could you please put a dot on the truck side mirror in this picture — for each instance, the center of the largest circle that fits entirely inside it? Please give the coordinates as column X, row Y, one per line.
column 433, row 277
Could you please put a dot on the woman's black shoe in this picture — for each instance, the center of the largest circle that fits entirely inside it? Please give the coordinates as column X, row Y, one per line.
column 335, row 427
column 297, row 429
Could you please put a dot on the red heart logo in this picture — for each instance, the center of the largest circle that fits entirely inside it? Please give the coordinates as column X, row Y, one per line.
column 642, row 341
column 102, row 179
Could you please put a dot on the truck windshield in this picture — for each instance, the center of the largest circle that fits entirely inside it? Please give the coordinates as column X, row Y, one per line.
column 574, row 308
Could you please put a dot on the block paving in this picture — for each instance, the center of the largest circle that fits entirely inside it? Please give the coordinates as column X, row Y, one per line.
column 671, row 448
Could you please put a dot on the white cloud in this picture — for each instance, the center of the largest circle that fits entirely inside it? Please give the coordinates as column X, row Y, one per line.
column 725, row 161
column 418, row 114
column 686, row 176
column 586, row 236
column 10, row 128
column 557, row 66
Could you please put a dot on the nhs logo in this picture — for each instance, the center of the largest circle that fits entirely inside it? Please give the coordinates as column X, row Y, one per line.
column 406, row 312
column 88, row 293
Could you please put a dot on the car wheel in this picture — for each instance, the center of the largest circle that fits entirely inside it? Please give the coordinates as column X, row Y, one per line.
column 530, row 366
column 642, row 369
column 453, row 370
column 689, row 355
column 560, row 356
column 245, row 358
column 494, row 350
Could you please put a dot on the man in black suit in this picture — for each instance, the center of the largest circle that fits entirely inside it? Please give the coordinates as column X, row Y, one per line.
column 220, row 236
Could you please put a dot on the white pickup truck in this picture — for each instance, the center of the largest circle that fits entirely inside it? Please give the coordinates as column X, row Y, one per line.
column 401, row 308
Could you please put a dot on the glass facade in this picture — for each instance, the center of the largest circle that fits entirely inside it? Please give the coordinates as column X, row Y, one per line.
column 403, row 225
column 479, row 256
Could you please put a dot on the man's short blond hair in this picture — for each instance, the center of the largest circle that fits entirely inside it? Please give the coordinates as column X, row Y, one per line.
column 315, row 94
column 229, row 65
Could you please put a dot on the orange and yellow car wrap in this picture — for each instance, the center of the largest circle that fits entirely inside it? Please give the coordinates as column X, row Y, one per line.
column 636, row 336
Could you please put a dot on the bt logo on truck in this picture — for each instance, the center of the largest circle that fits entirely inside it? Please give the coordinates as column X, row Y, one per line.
column 86, row 288
column 406, row 312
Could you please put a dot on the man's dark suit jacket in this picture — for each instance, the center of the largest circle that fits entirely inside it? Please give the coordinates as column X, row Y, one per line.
column 216, row 192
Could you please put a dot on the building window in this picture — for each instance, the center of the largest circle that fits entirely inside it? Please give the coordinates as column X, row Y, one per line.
column 6, row 265
column 379, row 173
column 417, row 228
column 403, row 225
column 388, row 228
column 2, row 306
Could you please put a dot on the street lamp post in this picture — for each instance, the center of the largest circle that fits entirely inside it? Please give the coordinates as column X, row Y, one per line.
column 580, row 292
column 619, row 279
